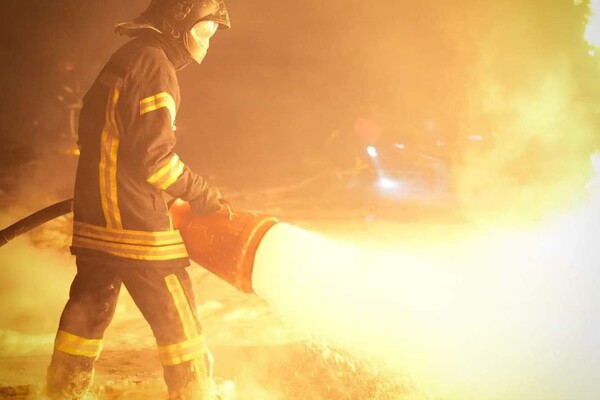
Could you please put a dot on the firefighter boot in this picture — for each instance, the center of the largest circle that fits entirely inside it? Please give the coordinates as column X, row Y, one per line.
column 69, row 377
column 190, row 381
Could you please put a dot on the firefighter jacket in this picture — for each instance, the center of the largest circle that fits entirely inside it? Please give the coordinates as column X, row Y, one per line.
column 126, row 140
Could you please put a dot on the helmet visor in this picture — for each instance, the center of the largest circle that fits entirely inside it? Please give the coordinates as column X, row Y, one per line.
column 197, row 40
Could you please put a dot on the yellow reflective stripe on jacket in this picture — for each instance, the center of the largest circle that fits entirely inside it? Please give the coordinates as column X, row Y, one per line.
column 137, row 245
column 178, row 353
column 168, row 173
column 159, row 101
column 109, row 148
column 160, row 238
column 135, row 252
column 77, row 346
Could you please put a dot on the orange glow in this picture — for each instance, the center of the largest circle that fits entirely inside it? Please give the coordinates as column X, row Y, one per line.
column 501, row 303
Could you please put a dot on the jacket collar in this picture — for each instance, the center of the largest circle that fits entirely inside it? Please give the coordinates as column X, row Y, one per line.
column 144, row 29
column 178, row 56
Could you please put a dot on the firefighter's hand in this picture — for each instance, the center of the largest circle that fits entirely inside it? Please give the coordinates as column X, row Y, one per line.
column 207, row 203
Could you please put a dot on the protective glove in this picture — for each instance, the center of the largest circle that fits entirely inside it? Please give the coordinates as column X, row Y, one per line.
column 208, row 202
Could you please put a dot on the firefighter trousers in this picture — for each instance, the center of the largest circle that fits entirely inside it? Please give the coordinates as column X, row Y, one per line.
column 166, row 299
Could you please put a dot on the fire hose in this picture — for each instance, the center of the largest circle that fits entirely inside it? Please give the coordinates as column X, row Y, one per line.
column 223, row 243
column 34, row 220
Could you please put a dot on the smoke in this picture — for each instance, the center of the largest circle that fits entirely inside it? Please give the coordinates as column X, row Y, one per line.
column 471, row 312
column 36, row 279
column 532, row 104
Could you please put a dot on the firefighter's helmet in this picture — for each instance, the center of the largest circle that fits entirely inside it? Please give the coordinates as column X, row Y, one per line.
column 176, row 20
column 180, row 16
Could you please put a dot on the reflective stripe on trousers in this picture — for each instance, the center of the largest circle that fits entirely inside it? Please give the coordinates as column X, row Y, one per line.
column 166, row 299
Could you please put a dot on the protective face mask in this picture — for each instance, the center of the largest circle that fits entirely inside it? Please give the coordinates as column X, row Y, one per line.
column 197, row 40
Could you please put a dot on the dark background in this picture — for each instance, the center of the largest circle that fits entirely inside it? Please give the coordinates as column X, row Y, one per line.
column 289, row 75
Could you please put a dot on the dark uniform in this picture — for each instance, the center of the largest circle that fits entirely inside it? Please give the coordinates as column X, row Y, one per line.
column 122, row 230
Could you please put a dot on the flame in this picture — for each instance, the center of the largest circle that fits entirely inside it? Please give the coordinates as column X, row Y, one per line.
column 592, row 31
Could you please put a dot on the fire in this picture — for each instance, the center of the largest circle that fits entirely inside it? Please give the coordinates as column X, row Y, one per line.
column 592, row 31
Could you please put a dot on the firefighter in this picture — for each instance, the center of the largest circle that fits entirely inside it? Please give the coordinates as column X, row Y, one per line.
column 122, row 231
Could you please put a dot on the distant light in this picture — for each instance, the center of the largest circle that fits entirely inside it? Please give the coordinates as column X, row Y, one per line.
column 475, row 137
column 387, row 183
column 391, row 188
column 439, row 143
column 400, row 146
column 372, row 151
column 592, row 53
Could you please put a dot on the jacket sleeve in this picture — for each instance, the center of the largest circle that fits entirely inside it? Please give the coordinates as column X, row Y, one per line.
column 155, row 98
